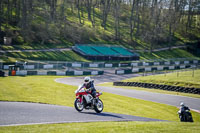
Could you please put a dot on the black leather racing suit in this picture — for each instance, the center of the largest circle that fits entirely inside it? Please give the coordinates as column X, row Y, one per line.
column 90, row 86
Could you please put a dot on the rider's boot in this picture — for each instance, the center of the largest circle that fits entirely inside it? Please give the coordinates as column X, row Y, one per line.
column 93, row 101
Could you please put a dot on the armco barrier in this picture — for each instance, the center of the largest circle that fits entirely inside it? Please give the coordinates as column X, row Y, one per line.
column 158, row 86
column 61, row 73
column 51, row 73
column 2, row 73
column 31, row 72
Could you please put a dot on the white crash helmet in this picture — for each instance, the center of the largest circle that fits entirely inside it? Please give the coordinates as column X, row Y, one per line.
column 182, row 104
column 87, row 80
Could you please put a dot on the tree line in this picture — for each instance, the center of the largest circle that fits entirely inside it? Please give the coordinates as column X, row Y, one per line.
column 152, row 22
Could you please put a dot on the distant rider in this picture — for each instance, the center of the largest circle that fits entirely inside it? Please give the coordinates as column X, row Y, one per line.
column 184, row 113
column 183, row 108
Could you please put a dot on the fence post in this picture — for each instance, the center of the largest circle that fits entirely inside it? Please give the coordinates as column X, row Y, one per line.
column 193, row 72
column 38, row 65
column 1, row 67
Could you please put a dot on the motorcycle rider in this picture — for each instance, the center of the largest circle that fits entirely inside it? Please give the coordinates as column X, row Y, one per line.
column 184, row 113
column 89, row 86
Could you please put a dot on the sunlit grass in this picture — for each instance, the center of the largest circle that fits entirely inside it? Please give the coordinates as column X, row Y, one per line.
column 183, row 78
column 151, row 90
column 36, row 46
column 107, row 127
column 55, row 56
column 167, row 54
column 36, row 89
column 189, row 78
column 71, row 56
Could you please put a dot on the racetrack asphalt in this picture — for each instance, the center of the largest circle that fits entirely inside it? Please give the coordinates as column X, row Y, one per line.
column 21, row 113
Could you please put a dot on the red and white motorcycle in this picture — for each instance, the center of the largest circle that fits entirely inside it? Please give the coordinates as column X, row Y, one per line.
column 84, row 100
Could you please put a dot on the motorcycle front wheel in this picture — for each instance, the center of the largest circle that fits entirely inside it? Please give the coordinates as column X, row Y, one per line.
column 98, row 106
column 78, row 106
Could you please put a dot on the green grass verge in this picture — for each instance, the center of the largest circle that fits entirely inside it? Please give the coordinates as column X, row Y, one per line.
column 35, row 46
column 185, row 78
column 151, row 90
column 45, row 90
column 53, row 56
column 108, row 127
column 167, row 54
column 36, row 89
column 189, row 78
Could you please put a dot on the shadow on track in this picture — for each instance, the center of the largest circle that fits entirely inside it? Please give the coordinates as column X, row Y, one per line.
column 103, row 114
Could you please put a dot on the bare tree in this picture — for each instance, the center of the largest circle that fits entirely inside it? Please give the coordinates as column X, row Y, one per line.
column 53, row 4
column 117, row 18
column 131, row 20
column 153, row 22
column 80, row 13
column 90, row 6
column 1, row 13
column 106, row 4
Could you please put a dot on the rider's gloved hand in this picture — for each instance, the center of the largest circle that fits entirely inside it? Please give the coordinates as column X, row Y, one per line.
column 87, row 91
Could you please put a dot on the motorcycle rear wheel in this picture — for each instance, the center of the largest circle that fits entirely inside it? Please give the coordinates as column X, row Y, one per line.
column 98, row 106
column 78, row 106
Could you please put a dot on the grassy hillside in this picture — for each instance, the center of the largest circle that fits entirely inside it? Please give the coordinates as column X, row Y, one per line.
column 61, row 24
column 167, row 54
column 33, row 46
column 71, row 56
column 58, row 24
column 47, row 56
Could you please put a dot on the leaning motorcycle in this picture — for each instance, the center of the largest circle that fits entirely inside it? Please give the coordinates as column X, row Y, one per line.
column 84, row 100
column 185, row 116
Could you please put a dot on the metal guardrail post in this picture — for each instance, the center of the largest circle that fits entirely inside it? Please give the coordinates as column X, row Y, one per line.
column 1, row 65
column 193, row 72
